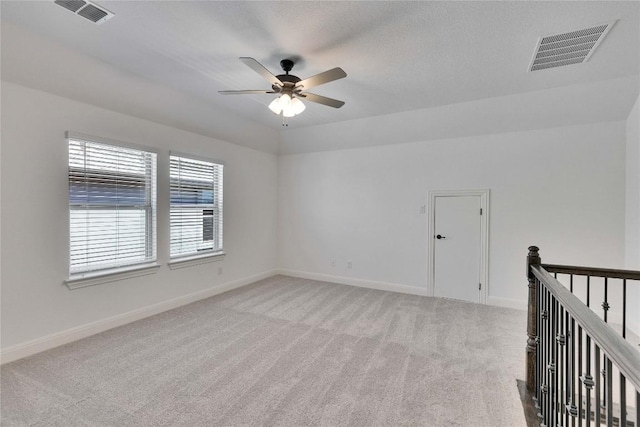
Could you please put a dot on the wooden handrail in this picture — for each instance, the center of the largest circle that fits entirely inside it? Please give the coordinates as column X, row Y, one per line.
column 617, row 349
column 594, row 272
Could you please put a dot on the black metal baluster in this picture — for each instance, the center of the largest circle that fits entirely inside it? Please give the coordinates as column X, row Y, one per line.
column 548, row 405
column 560, row 342
column 623, row 401
column 580, row 352
column 571, row 282
column 571, row 410
column 637, row 408
column 605, row 303
column 609, row 390
column 539, row 343
column 546, row 387
column 605, row 375
column 536, row 396
column 567, row 369
column 598, row 385
column 588, row 383
column 624, row 308
column 541, row 350
column 557, row 341
column 588, row 291
column 554, row 362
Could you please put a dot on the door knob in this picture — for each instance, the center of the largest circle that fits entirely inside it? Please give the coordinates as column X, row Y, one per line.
column 440, row 237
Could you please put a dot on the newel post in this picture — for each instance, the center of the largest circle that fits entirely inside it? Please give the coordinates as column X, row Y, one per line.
column 533, row 258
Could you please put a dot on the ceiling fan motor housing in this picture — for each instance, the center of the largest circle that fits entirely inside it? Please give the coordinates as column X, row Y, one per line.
column 287, row 65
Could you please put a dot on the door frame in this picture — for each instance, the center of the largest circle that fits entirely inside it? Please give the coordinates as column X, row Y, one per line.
column 484, row 237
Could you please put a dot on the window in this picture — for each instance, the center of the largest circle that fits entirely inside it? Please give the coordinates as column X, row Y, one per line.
column 196, row 206
column 112, row 206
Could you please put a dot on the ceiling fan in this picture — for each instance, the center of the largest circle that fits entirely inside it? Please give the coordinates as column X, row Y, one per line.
column 291, row 88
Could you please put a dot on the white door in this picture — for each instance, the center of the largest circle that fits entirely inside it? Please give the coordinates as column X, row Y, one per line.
column 457, row 239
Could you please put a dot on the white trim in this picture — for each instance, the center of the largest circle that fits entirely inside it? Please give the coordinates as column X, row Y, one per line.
column 190, row 261
column 507, row 303
column 361, row 283
column 196, row 157
column 64, row 337
column 119, row 272
column 391, row 287
column 484, row 195
column 90, row 138
column 91, row 278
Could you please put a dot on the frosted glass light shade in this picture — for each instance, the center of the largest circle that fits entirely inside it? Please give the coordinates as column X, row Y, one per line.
column 288, row 112
column 285, row 101
column 286, row 105
column 275, row 106
column 297, row 106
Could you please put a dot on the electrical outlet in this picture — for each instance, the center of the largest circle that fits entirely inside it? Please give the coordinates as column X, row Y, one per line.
column 349, row 264
column 423, row 209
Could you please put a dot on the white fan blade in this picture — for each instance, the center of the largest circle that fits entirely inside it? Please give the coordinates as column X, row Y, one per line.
column 243, row 92
column 318, row 79
column 321, row 99
column 260, row 69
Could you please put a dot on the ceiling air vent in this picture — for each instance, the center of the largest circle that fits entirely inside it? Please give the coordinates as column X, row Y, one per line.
column 569, row 48
column 86, row 9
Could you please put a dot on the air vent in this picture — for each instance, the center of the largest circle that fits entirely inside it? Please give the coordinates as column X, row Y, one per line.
column 72, row 5
column 86, row 9
column 569, row 48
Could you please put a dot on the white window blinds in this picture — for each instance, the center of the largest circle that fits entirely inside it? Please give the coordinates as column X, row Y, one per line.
column 196, row 206
column 112, row 206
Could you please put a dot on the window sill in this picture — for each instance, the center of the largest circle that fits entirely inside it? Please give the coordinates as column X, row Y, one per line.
column 190, row 261
column 83, row 280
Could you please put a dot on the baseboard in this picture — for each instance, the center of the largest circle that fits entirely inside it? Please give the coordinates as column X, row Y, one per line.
column 64, row 337
column 391, row 287
column 507, row 303
column 361, row 283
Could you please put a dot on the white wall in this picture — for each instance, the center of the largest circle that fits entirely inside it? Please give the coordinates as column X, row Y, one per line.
column 26, row 54
column 632, row 193
column 36, row 305
column 561, row 189
column 580, row 104
column 632, row 197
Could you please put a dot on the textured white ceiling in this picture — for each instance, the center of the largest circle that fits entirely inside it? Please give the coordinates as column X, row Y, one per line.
column 399, row 56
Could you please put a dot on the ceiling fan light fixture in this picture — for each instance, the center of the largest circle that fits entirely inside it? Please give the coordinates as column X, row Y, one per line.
column 285, row 101
column 275, row 106
column 287, row 105
column 297, row 106
column 290, row 87
column 294, row 107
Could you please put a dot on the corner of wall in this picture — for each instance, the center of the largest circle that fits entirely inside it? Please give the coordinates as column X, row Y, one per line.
column 632, row 188
column 632, row 204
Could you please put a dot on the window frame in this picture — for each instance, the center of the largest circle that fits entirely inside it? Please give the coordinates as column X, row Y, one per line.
column 120, row 270
column 217, row 253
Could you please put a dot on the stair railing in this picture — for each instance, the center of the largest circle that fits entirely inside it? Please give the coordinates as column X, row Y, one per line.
column 579, row 369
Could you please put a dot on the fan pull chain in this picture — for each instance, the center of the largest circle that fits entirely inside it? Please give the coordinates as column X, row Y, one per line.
column 284, row 121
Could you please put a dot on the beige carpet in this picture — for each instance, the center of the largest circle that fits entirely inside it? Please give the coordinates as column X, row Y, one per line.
column 284, row 352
